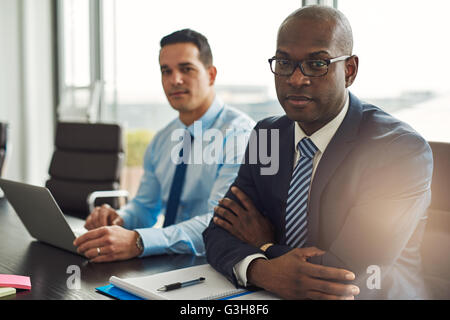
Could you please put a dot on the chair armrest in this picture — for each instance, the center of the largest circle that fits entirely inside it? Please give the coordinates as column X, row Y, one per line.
column 105, row 194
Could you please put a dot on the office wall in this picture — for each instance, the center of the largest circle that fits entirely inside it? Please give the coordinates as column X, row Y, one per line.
column 26, row 87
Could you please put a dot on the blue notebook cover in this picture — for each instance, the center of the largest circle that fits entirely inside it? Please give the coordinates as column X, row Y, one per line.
column 117, row 293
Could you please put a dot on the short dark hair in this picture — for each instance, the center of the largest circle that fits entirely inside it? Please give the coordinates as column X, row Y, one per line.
column 191, row 36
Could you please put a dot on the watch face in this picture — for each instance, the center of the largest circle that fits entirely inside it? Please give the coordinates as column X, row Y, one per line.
column 139, row 243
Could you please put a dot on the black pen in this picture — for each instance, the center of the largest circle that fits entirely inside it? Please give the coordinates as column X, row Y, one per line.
column 178, row 285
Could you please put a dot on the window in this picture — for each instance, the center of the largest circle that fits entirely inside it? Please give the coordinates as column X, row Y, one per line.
column 75, row 69
column 402, row 49
column 75, row 62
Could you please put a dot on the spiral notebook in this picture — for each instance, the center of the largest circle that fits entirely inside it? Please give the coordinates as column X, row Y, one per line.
column 215, row 286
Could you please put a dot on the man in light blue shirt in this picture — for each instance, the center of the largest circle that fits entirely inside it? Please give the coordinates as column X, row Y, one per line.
column 216, row 137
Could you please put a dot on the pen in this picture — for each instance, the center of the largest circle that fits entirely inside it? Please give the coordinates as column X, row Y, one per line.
column 178, row 285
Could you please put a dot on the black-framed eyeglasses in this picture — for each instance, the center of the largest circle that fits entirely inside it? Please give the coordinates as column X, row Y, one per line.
column 310, row 68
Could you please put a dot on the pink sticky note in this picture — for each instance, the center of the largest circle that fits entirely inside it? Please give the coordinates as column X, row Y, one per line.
column 18, row 282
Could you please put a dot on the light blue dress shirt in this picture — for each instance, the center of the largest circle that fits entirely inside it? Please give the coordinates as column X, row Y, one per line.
column 208, row 177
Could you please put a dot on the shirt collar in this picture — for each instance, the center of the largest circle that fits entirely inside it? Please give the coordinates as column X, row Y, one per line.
column 323, row 136
column 206, row 121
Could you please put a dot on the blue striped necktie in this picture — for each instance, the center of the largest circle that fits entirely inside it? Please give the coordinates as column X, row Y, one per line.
column 297, row 201
column 178, row 182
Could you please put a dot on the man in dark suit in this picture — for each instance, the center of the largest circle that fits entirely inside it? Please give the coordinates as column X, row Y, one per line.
column 345, row 213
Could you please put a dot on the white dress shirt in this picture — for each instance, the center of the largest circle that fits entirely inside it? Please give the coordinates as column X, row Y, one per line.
column 321, row 139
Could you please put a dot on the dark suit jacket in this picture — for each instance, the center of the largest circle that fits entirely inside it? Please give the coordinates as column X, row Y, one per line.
column 367, row 203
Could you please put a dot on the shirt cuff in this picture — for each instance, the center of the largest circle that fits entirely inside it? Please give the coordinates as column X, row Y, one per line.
column 153, row 240
column 240, row 269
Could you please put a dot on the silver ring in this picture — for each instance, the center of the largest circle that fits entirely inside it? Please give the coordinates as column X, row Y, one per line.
column 98, row 251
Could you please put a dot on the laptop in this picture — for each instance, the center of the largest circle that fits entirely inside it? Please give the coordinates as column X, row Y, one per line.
column 41, row 215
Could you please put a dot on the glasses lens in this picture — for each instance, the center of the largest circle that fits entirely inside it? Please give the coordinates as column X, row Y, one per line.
column 282, row 67
column 315, row 68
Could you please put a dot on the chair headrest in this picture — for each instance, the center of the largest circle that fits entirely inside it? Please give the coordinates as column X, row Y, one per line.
column 98, row 137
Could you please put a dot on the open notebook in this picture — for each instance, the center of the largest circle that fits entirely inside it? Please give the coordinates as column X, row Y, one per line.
column 215, row 287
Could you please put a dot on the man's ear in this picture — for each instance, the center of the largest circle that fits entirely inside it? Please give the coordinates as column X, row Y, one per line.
column 212, row 71
column 351, row 70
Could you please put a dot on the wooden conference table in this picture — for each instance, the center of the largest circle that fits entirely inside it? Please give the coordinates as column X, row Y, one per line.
column 49, row 267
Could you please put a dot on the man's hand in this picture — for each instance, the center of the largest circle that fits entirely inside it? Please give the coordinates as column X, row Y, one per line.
column 246, row 223
column 107, row 244
column 103, row 216
column 291, row 277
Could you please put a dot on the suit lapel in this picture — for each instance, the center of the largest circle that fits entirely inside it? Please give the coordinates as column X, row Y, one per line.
column 338, row 148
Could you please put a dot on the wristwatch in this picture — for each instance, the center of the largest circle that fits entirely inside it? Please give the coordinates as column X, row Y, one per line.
column 266, row 246
column 139, row 243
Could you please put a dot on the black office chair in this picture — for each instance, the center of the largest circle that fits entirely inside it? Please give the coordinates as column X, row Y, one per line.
column 3, row 142
column 436, row 241
column 86, row 166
